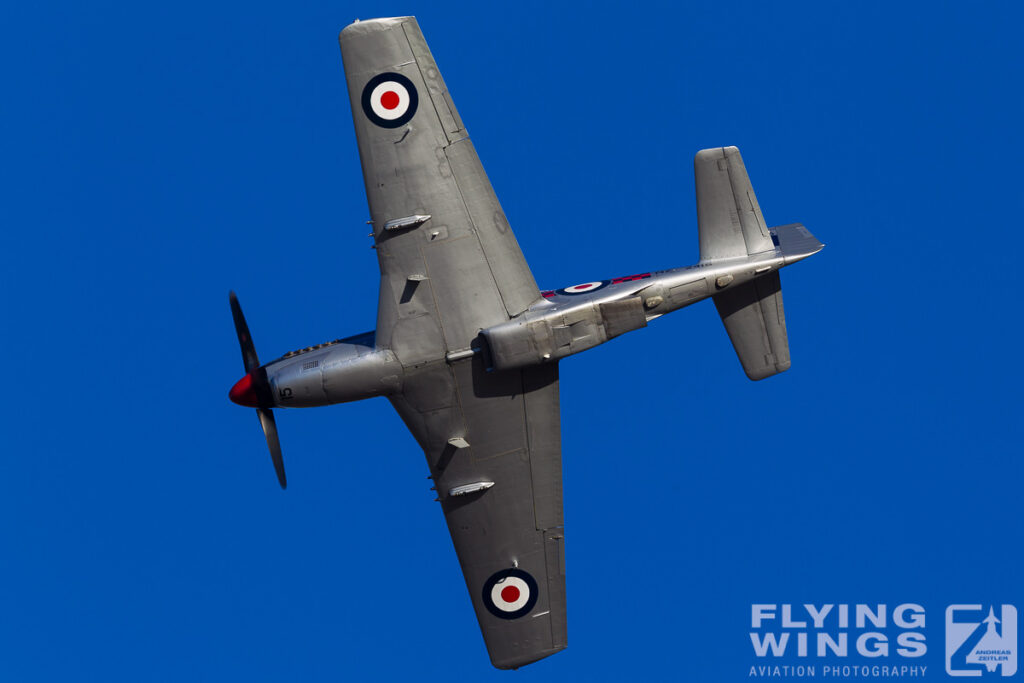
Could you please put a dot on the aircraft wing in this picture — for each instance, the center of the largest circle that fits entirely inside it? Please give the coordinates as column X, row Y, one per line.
column 449, row 262
column 450, row 266
column 493, row 444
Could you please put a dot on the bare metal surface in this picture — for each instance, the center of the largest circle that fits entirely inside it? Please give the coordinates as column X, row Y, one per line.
column 467, row 348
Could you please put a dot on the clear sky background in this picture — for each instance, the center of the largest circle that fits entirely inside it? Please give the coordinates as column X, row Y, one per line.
column 155, row 156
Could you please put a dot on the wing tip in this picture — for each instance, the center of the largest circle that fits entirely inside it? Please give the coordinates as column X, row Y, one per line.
column 525, row 658
column 716, row 153
column 764, row 372
column 362, row 27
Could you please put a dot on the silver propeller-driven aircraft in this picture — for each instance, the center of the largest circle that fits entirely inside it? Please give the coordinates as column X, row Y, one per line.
column 467, row 347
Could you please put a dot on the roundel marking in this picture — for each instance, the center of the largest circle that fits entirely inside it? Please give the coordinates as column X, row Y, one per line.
column 390, row 100
column 510, row 593
column 584, row 288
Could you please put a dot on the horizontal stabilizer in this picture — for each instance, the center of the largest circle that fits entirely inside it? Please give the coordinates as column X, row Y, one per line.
column 732, row 227
column 753, row 317
column 729, row 218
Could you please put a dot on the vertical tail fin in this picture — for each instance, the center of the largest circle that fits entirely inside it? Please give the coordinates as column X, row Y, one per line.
column 731, row 226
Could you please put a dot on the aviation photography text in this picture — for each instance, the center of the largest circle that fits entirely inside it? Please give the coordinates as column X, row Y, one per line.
column 838, row 640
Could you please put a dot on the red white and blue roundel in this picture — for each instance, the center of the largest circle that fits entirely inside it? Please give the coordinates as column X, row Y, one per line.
column 390, row 100
column 510, row 594
column 585, row 288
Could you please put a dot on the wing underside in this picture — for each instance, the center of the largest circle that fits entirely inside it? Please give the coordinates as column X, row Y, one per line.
column 450, row 266
column 493, row 444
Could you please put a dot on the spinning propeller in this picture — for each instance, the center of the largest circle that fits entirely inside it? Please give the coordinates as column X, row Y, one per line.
column 253, row 390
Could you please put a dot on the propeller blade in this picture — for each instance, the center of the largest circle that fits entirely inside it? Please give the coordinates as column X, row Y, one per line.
column 249, row 357
column 253, row 389
column 270, row 431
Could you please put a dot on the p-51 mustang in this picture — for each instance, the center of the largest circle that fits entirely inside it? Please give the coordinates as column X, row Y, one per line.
column 467, row 347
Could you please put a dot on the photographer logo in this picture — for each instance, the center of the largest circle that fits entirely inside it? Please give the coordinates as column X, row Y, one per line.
column 981, row 640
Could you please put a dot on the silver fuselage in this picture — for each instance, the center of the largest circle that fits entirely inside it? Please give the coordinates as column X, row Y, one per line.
column 559, row 325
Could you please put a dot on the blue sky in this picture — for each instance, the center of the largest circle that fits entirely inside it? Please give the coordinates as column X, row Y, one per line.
column 157, row 156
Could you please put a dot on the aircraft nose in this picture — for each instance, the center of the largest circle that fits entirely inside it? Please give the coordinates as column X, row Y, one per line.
column 244, row 392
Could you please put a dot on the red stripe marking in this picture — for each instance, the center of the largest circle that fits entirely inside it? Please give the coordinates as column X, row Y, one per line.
column 630, row 278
